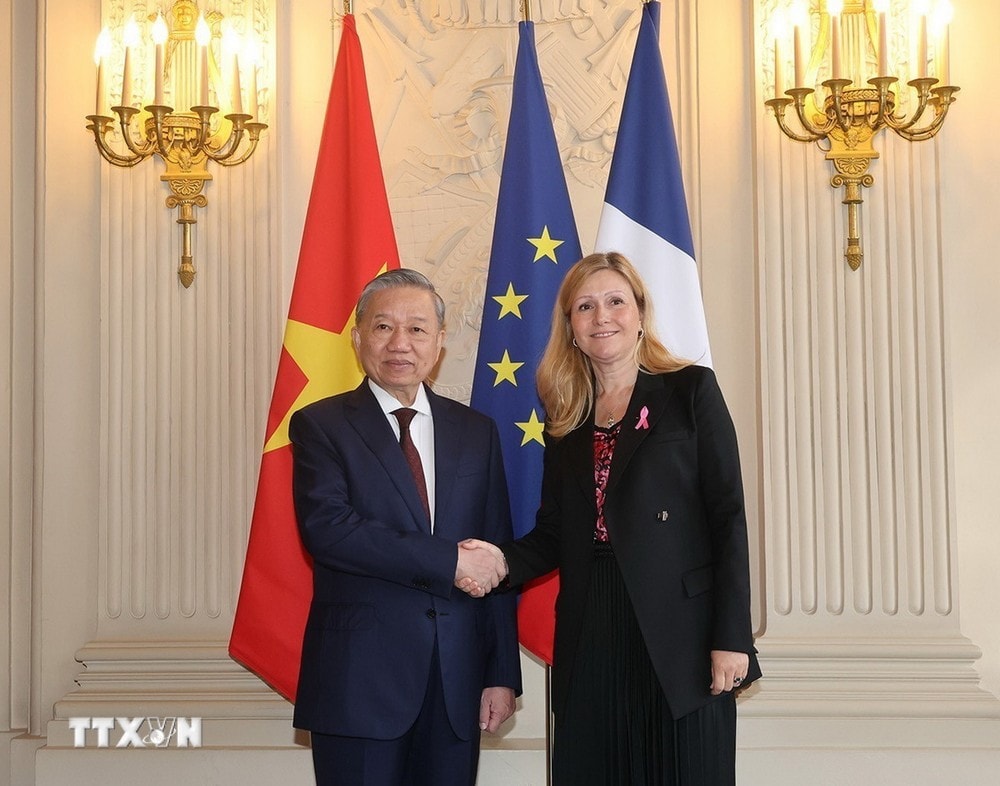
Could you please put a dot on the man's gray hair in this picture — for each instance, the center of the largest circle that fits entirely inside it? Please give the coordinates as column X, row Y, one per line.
column 401, row 277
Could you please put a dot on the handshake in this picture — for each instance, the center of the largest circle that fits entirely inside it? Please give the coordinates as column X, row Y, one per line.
column 481, row 567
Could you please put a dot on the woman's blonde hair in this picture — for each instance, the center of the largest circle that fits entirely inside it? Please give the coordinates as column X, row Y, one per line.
column 565, row 376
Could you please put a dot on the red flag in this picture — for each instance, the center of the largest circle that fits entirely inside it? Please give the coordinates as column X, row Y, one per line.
column 536, row 615
column 347, row 240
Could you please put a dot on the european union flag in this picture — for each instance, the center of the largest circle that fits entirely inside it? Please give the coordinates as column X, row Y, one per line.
column 534, row 243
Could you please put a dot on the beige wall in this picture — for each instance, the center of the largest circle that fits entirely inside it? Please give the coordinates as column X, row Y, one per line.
column 970, row 195
column 86, row 267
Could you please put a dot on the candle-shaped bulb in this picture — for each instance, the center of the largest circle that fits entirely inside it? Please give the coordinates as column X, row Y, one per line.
column 882, row 7
column 835, row 8
column 779, row 26
column 159, row 39
column 231, row 45
column 940, row 19
column 921, row 8
column 251, row 56
column 944, row 11
column 101, row 50
column 202, row 32
column 202, row 35
column 160, row 31
column 130, row 37
column 800, row 20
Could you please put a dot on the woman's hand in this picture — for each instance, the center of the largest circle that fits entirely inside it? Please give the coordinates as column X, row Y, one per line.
column 729, row 669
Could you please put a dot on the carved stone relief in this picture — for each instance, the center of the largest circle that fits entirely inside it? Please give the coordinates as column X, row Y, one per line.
column 441, row 75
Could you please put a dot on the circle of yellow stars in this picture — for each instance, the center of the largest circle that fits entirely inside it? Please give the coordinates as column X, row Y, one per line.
column 510, row 305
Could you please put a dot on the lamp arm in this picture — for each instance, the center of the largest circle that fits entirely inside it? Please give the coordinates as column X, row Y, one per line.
column 125, row 115
column 227, row 149
column 200, row 142
column 835, row 112
column 926, row 132
column 815, row 132
column 882, row 84
column 900, row 124
column 778, row 105
column 100, row 125
column 941, row 100
column 798, row 137
column 159, row 113
column 234, row 161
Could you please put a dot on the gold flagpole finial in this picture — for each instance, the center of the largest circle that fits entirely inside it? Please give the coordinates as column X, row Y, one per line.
column 526, row 10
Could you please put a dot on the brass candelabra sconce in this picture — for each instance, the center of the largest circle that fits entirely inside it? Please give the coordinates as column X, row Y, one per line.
column 185, row 140
column 854, row 110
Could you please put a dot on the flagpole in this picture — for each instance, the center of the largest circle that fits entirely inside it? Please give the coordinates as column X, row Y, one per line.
column 526, row 10
column 347, row 7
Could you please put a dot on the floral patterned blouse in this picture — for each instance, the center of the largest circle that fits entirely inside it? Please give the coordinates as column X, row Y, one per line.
column 604, row 450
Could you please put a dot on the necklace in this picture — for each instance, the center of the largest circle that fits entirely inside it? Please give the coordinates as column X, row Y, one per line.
column 616, row 402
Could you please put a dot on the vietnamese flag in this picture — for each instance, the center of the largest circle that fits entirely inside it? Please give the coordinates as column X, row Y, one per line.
column 348, row 239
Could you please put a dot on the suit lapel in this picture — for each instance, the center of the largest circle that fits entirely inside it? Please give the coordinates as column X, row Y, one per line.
column 447, row 437
column 366, row 417
column 578, row 446
column 649, row 400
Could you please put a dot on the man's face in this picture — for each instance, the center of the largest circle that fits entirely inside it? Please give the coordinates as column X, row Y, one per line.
column 399, row 340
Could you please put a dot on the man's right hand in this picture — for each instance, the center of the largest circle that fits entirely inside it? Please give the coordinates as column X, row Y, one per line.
column 481, row 567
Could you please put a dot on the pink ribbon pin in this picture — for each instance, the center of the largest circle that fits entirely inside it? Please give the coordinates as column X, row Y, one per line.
column 643, row 422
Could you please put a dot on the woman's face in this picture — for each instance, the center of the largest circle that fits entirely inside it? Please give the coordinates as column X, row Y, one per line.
column 605, row 318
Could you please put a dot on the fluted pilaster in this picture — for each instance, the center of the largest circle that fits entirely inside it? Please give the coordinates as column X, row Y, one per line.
column 857, row 475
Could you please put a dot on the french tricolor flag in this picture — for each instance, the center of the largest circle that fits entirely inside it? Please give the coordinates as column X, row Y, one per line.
column 645, row 213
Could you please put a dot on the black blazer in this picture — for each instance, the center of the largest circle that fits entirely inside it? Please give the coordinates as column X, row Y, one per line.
column 675, row 517
column 383, row 594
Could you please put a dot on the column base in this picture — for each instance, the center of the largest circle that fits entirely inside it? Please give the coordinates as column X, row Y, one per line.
column 857, row 678
column 246, row 733
column 244, row 766
column 894, row 712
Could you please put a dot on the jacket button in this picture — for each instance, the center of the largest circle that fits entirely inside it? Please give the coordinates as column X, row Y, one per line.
column 431, row 614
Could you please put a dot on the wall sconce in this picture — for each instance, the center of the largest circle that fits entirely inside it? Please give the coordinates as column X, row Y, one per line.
column 186, row 141
column 856, row 33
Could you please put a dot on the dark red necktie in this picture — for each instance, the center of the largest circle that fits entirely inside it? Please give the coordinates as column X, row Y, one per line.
column 404, row 416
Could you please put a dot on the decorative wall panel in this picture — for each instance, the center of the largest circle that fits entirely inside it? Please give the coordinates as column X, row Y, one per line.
column 186, row 373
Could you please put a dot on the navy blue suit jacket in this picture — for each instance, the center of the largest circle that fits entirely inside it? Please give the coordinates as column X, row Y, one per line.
column 382, row 583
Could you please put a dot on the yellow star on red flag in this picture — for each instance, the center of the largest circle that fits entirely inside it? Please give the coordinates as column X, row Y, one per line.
column 328, row 362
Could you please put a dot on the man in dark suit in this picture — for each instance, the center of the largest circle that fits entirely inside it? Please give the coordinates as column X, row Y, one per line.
column 401, row 671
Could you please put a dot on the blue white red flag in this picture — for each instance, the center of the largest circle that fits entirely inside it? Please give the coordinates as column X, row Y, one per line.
column 645, row 214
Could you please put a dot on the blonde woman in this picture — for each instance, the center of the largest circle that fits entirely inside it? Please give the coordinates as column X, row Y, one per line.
column 642, row 512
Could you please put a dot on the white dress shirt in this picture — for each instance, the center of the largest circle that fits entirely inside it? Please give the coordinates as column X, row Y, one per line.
column 421, row 432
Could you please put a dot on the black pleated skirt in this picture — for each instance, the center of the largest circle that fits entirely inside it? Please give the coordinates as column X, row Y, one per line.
column 616, row 728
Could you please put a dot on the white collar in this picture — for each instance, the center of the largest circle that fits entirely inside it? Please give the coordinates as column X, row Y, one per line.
column 389, row 403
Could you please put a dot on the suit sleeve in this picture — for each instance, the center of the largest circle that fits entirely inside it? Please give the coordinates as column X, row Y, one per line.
column 336, row 536
column 537, row 552
column 722, row 496
column 504, row 666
